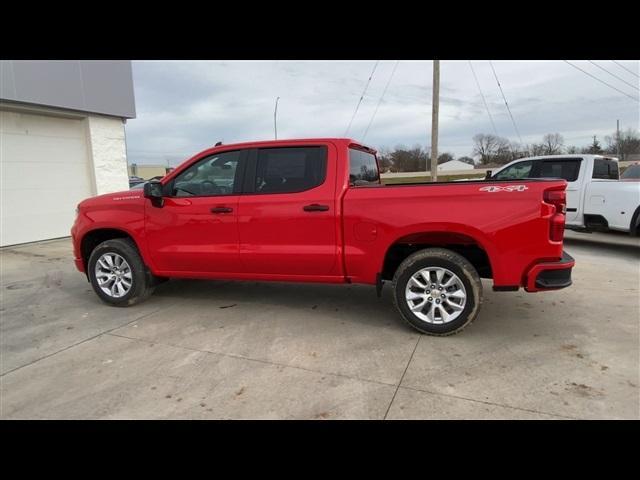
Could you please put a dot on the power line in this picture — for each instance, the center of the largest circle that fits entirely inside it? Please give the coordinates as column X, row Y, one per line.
column 505, row 102
column 607, row 71
column 361, row 97
column 625, row 68
column 602, row 81
column 380, row 100
column 495, row 130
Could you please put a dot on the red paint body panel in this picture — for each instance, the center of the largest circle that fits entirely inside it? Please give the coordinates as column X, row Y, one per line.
column 278, row 237
column 185, row 236
column 271, row 237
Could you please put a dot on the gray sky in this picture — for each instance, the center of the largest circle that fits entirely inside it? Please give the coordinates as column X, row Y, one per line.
column 186, row 106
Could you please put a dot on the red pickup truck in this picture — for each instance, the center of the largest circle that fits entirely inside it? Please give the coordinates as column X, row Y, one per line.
column 315, row 211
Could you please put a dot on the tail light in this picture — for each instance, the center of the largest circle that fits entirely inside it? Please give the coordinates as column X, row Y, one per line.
column 557, row 198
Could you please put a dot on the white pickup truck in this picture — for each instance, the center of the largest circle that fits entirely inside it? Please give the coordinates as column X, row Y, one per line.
column 596, row 198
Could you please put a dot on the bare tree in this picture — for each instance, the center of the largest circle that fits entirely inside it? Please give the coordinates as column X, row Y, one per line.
column 445, row 157
column 490, row 148
column 627, row 144
column 384, row 159
column 409, row 160
column 594, row 148
column 552, row 143
column 572, row 149
column 537, row 149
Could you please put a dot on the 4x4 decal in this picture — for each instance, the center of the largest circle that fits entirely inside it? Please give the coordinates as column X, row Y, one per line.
column 507, row 188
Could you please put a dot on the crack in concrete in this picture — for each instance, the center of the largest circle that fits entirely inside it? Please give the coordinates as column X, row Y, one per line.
column 401, row 378
column 106, row 332
column 566, row 417
column 267, row 362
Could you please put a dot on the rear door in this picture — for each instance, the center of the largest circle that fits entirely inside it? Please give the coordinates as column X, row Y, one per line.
column 567, row 169
column 287, row 213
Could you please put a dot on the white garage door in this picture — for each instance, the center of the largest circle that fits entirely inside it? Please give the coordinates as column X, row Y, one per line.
column 45, row 172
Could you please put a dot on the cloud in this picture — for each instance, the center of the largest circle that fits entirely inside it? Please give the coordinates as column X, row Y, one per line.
column 186, row 106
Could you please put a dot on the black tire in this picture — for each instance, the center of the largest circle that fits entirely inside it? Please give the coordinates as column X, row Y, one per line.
column 452, row 261
column 143, row 282
column 634, row 227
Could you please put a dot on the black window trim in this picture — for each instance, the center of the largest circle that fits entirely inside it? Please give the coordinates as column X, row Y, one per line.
column 251, row 170
column 237, row 180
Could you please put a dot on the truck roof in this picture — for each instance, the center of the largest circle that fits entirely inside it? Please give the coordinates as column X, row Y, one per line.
column 581, row 155
column 345, row 140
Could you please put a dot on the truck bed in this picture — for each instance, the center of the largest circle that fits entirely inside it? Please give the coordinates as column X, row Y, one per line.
column 508, row 220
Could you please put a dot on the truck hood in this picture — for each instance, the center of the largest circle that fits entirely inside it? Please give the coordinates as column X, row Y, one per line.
column 108, row 199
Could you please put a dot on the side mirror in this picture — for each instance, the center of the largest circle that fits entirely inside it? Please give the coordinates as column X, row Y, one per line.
column 153, row 191
column 487, row 175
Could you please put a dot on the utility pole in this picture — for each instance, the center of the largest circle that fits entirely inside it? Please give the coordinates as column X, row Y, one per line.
column 275, row 119
column 434, row 120
column 618, row 139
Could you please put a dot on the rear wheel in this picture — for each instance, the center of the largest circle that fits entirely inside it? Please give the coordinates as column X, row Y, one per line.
column 437, row 291
column 117, row 273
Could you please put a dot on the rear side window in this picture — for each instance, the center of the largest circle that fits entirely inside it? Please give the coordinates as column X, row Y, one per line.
column 566, row 169
column 605, row 168
column 291, row 169
column 363, row 168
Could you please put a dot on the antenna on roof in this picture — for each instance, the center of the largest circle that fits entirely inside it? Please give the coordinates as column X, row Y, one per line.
column 218, row 144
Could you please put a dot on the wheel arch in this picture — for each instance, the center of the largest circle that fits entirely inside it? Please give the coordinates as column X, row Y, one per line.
column 468, row 244
column 94, row 237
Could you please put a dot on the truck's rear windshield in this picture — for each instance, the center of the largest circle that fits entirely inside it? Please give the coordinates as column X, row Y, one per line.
column 363, row 168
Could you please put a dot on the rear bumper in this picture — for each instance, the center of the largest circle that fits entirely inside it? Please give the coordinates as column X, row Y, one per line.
column 550, row 275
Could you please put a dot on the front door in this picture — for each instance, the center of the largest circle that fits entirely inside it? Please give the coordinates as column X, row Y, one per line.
column 287, row 214
column 196, row 229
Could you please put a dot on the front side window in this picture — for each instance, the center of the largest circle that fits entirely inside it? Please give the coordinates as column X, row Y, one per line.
column 363, row 168
column 214, row 175
column 290, row 169
column 515, row 172
column 606, row 169
column 566, row 169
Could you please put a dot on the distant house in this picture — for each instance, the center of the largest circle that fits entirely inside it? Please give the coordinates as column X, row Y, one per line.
column 452, row 165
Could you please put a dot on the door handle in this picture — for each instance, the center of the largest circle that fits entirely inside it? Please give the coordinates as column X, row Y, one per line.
column 315, row 207
column 221, row 210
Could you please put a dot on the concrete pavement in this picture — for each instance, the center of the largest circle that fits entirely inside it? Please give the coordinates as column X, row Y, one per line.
column 218, row 349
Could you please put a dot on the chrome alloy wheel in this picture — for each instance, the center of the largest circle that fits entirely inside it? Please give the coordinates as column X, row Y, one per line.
column 436, row 295
column 113, row 275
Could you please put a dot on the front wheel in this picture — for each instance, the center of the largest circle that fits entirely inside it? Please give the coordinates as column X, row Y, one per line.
column 117, row 273
column 437, row 291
